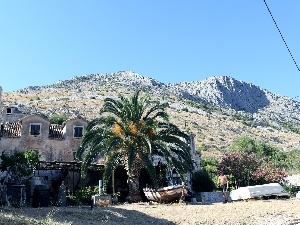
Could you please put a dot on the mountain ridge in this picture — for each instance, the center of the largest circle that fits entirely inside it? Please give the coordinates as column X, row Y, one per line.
column 220, row 91
column 249, row 107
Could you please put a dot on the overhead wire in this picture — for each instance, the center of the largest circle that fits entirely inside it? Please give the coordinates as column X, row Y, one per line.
column 281, row 35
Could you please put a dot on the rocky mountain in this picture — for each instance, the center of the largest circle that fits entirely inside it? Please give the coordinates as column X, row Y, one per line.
column 217, row 109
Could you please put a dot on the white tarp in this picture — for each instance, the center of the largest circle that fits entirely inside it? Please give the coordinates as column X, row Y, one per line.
column 298, row 195
column 258, row 191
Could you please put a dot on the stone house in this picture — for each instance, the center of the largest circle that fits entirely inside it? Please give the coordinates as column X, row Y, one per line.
column 54, row 142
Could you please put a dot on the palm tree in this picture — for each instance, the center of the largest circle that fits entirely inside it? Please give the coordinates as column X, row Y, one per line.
column 130, row 132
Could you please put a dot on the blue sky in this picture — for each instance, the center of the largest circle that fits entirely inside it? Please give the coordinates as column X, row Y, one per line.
column 42, row 42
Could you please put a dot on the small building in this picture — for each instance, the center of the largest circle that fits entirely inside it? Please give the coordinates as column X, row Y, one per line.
column 35, row 132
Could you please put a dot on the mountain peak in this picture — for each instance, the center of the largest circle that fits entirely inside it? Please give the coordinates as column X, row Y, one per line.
column 221, row 91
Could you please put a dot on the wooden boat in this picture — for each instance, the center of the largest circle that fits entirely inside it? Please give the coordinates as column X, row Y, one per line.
column 166, row 194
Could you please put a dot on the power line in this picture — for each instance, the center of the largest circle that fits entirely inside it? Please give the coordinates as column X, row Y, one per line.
column 281, row 36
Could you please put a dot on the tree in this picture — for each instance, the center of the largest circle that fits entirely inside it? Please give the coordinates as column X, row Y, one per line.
column 129, row 132
column 292, row 162
column 243, row 143
column 32, row 157
column 261, row 149
column 250, row 168
column 239, row 164
column 268, row 172
column 17, row 164
column 209, row 164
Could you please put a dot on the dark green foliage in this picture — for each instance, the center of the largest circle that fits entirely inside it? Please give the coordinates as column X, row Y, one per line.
column 243, row 143
column 261, row 149
column 209, row 164
column 292, row 161
column 201, row 182
column 83, row 195
column 195, row 104
column 291, row 189
column 202, row 105
column 32, row 158
column 58, row 119
column 17, row 164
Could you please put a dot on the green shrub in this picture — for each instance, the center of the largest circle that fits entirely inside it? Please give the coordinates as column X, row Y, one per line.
column 291, row 189
column 201, row 182
column 58, row 119
column 18, row 164
column 83, row 196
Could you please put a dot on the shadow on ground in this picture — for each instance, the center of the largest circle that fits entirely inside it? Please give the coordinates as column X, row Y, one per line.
column 77, row 216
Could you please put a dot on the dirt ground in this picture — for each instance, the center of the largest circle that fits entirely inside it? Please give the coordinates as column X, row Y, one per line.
column 282, row 211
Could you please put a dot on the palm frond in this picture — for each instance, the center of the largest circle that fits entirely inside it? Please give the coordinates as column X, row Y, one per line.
column 112, row 163
column 89, row 157
column 148, row 165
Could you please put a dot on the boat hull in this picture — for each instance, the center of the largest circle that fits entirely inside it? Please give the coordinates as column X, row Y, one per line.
column 166, row 194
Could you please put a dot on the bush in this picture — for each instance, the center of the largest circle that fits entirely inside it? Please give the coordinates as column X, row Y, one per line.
column 83, row 196
column 201, row 182
column 291, row 189
column 17, row 165
column 58, row 119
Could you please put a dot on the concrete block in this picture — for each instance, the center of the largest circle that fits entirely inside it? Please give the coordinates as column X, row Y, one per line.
column 102, row 200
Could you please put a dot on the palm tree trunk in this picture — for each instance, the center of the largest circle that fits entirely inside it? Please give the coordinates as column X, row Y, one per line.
column 134, row 194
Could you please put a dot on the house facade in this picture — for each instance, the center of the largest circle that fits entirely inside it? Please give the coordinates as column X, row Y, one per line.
column 54, row 142
column 21, row 132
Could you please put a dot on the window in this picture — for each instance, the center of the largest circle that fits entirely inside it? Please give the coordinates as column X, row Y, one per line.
column 78, row 131
column 8, row 111
column 35, row 128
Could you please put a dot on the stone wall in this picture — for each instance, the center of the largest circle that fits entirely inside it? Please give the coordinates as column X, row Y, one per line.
column 210, row 197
